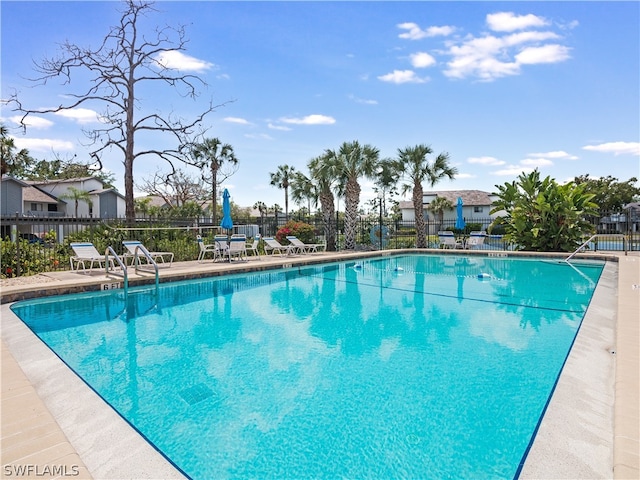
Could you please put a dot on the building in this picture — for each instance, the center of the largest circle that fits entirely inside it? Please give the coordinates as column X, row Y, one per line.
column 476, row 208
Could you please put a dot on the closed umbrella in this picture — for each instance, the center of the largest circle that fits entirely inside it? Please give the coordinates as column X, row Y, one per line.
column 227, row 221
column 459, row 219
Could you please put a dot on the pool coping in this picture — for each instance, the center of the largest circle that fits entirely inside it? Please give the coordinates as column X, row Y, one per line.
column 91, row 431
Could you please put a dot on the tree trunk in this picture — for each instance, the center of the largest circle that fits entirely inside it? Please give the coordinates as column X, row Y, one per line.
column 214, row 189
column 352, row 198
column 418, row 211
column 328, row 213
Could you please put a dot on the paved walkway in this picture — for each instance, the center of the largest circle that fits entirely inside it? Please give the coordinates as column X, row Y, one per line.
column 44, row 434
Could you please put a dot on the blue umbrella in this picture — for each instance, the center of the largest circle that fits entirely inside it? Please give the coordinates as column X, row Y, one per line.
column 227, row 222
column 460, row 219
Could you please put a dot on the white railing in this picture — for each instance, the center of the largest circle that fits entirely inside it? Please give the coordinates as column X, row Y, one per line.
column 625, row 245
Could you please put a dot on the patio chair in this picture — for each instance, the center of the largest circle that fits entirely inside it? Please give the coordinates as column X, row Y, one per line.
column 237, row 247
column 207, row 248
column 253, row 248
column 136, row 254
column 475, row 240
column 273, row 246
column 86, row 253
column 303, row 247
column 223, row 243
column 448, row 240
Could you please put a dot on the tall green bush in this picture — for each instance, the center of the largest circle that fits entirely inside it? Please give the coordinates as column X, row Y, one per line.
column 541, row 215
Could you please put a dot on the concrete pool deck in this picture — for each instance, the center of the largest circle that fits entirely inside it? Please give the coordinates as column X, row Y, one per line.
column 53, row 424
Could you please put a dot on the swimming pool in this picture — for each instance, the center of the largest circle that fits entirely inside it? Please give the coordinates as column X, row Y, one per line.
column 411, row 366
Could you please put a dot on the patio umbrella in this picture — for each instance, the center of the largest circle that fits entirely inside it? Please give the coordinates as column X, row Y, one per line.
column 227, row 222
column 459, row 219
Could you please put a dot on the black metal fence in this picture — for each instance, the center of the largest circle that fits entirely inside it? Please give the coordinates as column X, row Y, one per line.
column 39, row 244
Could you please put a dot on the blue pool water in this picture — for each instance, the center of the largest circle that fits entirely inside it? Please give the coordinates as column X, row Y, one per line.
column 415, row 366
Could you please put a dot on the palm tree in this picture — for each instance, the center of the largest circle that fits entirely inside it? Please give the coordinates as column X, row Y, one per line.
column 262, row 208
column 213, row 155
column 413, row 166
column 323, row 177
column 438, row 205
column 281, row 179
column 303, row 188
column 351, row 162
column 76, row 195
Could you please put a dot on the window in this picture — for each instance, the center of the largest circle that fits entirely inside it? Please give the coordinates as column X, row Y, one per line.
column 477, row 209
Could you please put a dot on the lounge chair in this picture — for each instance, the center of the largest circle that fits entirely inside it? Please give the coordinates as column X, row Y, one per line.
column 134, row 252
column 303, row 247
column 475, row 240
column 273, row 246
column 86, row 253
column 253, row 248
column 207, row 248
column 448, row 240
column 237, row 247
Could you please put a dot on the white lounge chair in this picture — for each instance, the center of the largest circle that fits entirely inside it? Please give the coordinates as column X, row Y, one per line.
column 207, row 248
column 273, row 246
column 475, row 240
column 86, row 253
column 448, row 240
column 303, row 247
column 253, row 248
column 237, row 247
column 134, row 252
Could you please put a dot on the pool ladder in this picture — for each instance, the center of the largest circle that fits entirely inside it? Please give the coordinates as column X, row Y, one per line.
column 625, row 246
column 123, row 266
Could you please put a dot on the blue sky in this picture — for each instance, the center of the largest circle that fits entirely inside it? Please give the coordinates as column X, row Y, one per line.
column 503, row 87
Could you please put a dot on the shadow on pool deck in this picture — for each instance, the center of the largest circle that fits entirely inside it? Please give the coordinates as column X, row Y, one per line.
column 52, row 423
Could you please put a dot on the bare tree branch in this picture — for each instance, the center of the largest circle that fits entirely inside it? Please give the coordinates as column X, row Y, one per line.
column 125, row 59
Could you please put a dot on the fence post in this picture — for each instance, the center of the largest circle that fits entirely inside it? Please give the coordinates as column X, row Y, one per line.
column 18, row 270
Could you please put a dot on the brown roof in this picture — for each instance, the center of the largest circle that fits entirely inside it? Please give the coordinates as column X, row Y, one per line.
column 469, row 197
column 34, row 194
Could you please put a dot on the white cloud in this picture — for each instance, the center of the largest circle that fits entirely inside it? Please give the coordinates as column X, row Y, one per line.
column 422, row 60
column 485, row 161
column 278, row 127
column 492, row 56
column 42, row 144
column 555, row 154
column 177, row 60
column 80, row 115
column 460, row 176
column 310, row 120
column 536, row 162
column 513, row 170
column 239, row 121
column 402, row 76
column 545, row 54
column 32, row 121
column 363, row 101
column 414, row 32
column 617, row 148
column 508, row 21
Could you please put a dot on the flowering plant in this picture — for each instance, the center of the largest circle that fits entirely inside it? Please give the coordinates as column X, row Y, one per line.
column 302, row 230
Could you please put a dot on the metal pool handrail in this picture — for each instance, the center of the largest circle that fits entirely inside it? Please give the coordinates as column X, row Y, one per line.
column 122, row 266
column 624, row 243
column 147, row 255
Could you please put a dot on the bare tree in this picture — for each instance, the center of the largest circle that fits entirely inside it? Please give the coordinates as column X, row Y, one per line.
column 176, row 189
column 125, row 61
